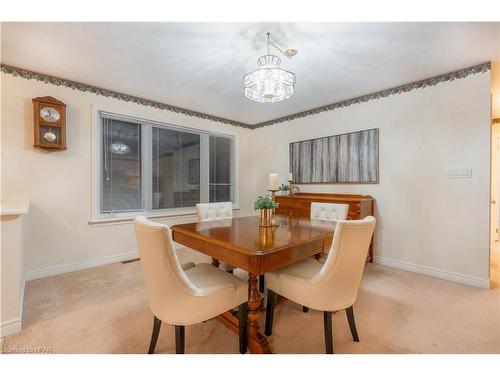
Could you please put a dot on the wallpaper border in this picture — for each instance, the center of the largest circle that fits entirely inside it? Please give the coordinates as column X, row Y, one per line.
column 74, row 85
column 458, row 74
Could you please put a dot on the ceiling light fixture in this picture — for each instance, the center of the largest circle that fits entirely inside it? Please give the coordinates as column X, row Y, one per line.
column 269, row 83
column 119, row 148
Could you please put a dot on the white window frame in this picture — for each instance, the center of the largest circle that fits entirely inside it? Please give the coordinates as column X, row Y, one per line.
column 146, row 168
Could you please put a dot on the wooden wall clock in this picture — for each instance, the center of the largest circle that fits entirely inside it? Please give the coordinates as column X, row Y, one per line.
column 49, row 117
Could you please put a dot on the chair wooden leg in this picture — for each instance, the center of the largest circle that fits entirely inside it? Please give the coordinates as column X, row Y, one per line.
column 154, row 335
column 305, row 309
column 352, row 324
column 271, row 300
column 179, row 339
column 242, row 324
column 327, row 321
column 261, row 283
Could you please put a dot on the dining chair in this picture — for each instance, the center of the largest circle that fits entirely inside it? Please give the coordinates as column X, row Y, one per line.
column 216, row 211
column 328, row 287
column 330, row 212
column 185, row 297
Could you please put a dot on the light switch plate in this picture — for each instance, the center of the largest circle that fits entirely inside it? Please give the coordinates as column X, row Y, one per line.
column 459, row 173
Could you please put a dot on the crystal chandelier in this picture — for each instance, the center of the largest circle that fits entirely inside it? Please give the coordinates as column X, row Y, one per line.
column 269, row 83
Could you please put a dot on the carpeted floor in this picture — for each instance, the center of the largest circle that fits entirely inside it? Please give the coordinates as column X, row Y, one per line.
column 104, row 310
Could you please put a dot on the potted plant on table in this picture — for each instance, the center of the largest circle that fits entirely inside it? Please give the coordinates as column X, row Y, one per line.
column 283, row 188
column 266, row 206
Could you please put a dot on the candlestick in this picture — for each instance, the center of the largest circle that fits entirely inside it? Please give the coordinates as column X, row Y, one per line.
column 273, row 181
column 290, row 176
column 273, row 195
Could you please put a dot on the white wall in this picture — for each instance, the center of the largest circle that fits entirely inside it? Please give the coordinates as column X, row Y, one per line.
column 58, row 184
column 426, row 222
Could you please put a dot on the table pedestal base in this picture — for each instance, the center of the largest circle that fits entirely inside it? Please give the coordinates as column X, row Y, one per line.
column 257, row 342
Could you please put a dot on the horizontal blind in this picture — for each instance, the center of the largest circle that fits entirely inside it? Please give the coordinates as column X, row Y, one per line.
column 176, row 168
column 121, row 172
column 221, row 169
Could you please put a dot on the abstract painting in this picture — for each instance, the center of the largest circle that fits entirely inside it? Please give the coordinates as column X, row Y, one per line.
column 343, row 158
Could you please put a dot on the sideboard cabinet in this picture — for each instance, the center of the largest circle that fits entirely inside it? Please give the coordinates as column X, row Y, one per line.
column 299, row 204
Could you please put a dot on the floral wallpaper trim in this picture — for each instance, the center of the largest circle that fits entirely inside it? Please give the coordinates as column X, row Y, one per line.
column 459, row 74
column 74, row 85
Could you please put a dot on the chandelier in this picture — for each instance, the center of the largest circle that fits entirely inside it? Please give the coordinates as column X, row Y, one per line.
column 119, row 148
column 269, row 83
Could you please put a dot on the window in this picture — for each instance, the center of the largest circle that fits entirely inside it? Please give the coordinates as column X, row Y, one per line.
column 121, row 172
column 221, row 187
column 172, row 180
column 152, row 167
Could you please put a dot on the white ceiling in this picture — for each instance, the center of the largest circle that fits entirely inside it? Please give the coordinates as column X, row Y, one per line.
column 199, row 66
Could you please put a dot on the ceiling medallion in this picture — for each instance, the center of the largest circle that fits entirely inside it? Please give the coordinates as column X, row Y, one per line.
column 269, row 83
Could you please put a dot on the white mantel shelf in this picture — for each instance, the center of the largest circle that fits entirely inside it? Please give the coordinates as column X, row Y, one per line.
column 14, row 208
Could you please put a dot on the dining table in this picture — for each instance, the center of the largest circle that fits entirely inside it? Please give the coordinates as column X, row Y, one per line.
column 242, row 242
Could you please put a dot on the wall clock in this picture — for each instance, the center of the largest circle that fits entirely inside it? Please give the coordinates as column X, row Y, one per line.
column 49, row 120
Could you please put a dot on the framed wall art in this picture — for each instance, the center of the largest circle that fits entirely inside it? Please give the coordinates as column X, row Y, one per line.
column 338, row 159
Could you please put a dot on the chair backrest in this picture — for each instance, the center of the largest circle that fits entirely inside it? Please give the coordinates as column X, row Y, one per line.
column 329, row 211
column 166, row 283
column 214, row 211
column 340, row 276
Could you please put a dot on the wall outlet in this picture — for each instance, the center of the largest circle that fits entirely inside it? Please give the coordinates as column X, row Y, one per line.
column 459, row 173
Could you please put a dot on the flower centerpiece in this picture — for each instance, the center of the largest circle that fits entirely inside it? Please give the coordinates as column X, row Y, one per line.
column 266, row 206
column 283, row 188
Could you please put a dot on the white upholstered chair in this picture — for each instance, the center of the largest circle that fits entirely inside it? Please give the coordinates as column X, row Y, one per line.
column 216, row 211
column 184, row 297
column 328, row 287
column 330, row 212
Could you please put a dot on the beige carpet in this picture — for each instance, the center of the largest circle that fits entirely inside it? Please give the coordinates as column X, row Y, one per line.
column 104, row 310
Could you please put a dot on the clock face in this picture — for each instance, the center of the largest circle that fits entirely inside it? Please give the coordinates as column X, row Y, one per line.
column 50, row 114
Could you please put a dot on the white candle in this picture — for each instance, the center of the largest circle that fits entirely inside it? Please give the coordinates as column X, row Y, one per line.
column 273, row 181
column 290, row 176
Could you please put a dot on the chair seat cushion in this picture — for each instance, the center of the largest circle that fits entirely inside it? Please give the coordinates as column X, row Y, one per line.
column 305, row 270
column 226, row 266
column 293, row 282
column 179, row 248
column 187, row 265
column 206, row 276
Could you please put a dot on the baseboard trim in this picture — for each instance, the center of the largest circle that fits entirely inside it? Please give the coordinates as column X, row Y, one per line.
column 21, row 299
column 434, row 272
column 10, row 327
column 57, row 270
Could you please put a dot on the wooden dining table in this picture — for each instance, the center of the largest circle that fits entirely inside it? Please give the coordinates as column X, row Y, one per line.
column 243, row 243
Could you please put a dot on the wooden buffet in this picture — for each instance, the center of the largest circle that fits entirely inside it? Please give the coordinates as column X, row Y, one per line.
column 299, row 205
